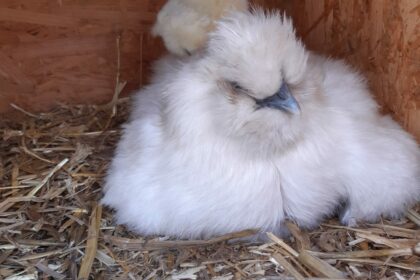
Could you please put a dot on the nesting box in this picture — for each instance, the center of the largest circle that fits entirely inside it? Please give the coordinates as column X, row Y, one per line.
column 66, row 51
column 55, row 54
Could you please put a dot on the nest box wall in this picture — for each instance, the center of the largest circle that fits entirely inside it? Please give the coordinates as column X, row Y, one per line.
column 65, row 51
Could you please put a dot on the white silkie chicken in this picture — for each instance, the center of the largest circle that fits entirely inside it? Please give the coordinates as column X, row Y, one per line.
column 184, row 24
column 253, row 131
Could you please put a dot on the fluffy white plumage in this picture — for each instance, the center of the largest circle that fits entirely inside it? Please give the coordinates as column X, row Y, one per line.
column 184, row 24
column 199, row 157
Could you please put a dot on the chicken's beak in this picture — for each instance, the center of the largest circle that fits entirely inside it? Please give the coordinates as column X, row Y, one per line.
column 282, row 100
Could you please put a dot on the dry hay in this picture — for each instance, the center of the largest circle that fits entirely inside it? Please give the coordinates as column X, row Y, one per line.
column 51, row 226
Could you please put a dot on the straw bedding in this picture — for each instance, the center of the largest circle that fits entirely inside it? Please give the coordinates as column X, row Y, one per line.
column 52, row 227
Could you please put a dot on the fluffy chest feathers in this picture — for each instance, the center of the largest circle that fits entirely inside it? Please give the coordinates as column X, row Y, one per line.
column 176, row 175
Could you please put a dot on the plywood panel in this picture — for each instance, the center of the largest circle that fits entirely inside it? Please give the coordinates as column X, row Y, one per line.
column 66, row 51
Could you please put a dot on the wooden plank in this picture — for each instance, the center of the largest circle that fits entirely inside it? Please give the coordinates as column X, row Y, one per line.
column 61, row 47
column 13, row 72
column 15, row 15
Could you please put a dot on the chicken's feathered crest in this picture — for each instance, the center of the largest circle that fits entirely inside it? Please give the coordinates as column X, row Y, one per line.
column 255, row 35
column 238, row 24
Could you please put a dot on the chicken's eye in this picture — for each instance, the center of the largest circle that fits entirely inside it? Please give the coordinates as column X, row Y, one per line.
column 236, row 86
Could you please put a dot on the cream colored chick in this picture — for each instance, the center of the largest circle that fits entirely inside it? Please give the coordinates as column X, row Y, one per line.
column 185, row 24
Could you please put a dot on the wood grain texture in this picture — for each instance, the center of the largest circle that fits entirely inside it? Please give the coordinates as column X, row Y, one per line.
column 65, row 51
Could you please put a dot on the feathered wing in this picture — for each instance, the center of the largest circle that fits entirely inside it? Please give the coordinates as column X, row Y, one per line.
column 382, row 173
column 376, row 160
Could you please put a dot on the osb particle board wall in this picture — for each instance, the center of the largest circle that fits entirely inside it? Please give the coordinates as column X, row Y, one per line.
column 65, row 50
